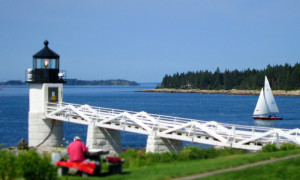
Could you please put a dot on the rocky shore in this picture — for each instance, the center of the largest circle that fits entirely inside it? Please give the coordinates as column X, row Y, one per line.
column 231, row 91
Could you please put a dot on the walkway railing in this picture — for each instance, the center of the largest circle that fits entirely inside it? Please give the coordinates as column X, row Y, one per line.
column 184, row 129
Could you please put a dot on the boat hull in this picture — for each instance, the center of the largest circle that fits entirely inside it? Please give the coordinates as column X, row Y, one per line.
column 267, row 118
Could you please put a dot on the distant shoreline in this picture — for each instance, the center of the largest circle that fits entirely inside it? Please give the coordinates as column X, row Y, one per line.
column 65, row 85
column 77, row 82
column 229, row 92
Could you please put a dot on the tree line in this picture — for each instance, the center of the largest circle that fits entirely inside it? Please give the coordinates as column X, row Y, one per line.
column 281, row 77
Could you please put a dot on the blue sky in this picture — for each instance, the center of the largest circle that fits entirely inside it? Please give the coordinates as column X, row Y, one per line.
column 142, row 40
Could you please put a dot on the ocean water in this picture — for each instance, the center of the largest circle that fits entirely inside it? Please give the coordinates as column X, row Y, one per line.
column 233, row 109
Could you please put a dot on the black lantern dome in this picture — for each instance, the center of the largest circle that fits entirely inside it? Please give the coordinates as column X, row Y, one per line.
column 45, row 67
column 46, row 52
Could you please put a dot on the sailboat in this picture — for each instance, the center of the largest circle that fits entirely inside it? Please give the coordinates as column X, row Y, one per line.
column 266, row 106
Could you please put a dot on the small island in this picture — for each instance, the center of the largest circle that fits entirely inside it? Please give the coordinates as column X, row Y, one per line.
column 116, row 82
column 77, row 82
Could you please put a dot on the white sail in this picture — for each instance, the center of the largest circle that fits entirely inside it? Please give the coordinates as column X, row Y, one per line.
column 261, row 106
column 272, row 106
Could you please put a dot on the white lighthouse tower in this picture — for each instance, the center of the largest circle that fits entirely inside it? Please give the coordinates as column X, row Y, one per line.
column 46, row 87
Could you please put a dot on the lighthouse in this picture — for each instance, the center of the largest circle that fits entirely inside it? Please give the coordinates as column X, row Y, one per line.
column 46, row 89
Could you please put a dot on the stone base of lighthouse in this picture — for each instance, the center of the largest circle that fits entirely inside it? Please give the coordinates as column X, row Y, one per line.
column 46, row 131
column 42, row 131
column 156, row 144
column 106, row 139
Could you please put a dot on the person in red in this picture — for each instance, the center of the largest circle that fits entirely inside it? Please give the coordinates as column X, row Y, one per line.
column 77, row 150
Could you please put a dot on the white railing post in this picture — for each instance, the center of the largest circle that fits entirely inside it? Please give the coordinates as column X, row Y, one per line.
column 277, row 139
column 158, row 124
column 234, row 133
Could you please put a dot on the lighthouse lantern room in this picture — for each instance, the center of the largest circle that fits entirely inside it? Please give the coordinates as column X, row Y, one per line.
column 45, row 67
column 46, row 87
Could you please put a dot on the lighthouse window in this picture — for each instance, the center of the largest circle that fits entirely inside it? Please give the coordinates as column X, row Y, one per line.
column 52, row 64
column 52, row 94
column 45, row 64
column 38, row 64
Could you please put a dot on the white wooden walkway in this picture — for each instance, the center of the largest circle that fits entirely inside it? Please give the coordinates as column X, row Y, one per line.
column 184, row 129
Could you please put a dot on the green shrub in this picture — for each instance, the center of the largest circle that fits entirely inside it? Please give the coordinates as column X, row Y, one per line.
column 194, row 152
column 130, row 158
column 8, row 165
column 210, row 153
column 191, row 152
column 270, row 148
column 289, row 146
column 27, row 164
column 160, row 157
column 35, row 166
column 138, row 158
column 283, row 147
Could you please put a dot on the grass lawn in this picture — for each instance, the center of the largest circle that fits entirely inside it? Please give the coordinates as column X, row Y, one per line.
column 286, row 169
column 184, row 168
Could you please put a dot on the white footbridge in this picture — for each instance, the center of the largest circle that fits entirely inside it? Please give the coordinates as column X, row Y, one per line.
column 174, row 128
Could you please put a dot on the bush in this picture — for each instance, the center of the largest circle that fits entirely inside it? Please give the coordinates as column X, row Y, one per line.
column 8, row 165
column 138, row 158
column 190, row 152
column 35, row 166
column 194, row 152
column 289, row 146
column 27, row 164
column 160, row 157
column 131, row 159
column 283, row 147
column 270, row 148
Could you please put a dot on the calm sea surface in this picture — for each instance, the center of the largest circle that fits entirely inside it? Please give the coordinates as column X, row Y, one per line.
column 234, row 109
